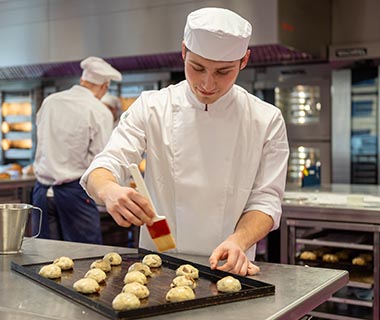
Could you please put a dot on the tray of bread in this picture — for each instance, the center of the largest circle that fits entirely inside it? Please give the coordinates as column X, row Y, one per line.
column 141, row 284
column 337, row 258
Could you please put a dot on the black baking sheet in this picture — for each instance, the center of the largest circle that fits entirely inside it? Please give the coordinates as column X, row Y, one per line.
column 341, row 265
column 206, row 293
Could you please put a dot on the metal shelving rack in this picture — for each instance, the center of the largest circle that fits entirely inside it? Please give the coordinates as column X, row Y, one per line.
column 18, row 107
column 359, row 300
column 22, row 103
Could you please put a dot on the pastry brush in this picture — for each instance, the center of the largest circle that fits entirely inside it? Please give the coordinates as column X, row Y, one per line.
column 159, row 230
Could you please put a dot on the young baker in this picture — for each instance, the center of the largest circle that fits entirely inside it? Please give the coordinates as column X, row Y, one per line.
column 216, row 155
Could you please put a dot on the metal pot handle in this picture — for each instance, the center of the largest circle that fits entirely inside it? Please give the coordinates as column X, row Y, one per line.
column 40, row 224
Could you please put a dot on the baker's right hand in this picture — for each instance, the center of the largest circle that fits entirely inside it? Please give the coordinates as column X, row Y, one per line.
column 127, row 206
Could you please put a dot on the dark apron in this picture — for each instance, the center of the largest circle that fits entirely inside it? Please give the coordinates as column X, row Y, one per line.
column 70, row 215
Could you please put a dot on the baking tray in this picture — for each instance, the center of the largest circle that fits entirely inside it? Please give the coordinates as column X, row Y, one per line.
column 341, row 265
column 206, row 293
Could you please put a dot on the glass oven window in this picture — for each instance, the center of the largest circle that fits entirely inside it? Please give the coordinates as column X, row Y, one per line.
column 300, row 104
column 300, row 157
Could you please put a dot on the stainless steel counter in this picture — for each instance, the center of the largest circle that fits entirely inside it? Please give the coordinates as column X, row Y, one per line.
column 334, row 202
column 298, row 289
column 339, row 188
column 19, row 182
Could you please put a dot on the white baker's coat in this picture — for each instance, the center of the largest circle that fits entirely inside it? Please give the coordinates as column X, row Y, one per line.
column 203, row 168
column 72, row 127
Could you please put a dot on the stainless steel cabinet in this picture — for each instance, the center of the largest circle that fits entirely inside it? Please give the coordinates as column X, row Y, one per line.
column 355, row 122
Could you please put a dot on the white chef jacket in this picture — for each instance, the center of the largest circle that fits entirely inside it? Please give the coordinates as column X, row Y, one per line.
column 72, row 127
column 203, row 168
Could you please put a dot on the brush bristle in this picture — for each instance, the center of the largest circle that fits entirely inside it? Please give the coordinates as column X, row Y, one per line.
column 160, row 233
column 164, row 243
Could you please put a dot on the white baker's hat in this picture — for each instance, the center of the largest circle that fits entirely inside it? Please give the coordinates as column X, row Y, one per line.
column 112, row 101
column 98, row 71
column 217, row 34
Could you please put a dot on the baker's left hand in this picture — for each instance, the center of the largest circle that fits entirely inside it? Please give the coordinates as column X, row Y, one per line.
column 235, row 259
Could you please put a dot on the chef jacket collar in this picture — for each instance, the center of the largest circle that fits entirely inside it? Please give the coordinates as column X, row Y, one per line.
column 83, row 90
column 218, row 106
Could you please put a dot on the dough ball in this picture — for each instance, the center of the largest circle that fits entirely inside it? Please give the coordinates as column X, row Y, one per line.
column 97, row 274
column 125, row 301
column 143, row 268
column 86, row 285
column 50, row 271
column 187, row 270
column 308, row 255
column 113, row 258
column 228, row 284
column 135, row 276
column 181, row 281
column 180, row 294
column 152, row 260
column 138, row 289
column 101, row 264
column 359, row 261
column 329, row 257
column 65, row 263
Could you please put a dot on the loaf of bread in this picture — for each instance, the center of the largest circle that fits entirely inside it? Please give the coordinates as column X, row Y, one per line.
column 359, row 261
column 329, row 257
column 17, row 108
column 363, row 259
column 4, row 176
column 21, row 144
column 308, row 255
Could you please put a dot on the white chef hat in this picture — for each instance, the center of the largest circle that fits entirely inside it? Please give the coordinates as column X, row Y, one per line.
column 112, row 101
column 98, row 71
column 217, row 34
